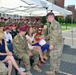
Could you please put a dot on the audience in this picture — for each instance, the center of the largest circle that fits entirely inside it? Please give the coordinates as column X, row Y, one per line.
column 7, row 56
column 24, row 44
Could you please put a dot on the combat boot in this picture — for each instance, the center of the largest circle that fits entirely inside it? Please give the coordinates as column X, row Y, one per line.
column 50, row 73
column 36, row 68
column 28, row 73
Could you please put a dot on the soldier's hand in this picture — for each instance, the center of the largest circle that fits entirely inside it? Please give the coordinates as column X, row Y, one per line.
column 30, row 54
column 51, row 47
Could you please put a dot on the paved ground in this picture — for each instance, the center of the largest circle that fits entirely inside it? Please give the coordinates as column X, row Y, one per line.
column 68, row 63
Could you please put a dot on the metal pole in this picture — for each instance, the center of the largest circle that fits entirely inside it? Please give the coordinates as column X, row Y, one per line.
column 72, row 28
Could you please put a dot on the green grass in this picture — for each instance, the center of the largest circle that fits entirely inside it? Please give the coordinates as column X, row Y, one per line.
column 63, row 29
column 70, row 25
column 66, row 26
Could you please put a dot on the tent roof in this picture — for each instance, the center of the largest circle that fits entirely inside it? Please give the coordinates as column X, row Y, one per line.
column 31, row 8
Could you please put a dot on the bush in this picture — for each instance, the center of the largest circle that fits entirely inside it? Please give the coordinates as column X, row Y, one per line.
column 43, row 19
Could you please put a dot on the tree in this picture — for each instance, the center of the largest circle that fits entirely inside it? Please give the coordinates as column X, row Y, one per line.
column 43, row 19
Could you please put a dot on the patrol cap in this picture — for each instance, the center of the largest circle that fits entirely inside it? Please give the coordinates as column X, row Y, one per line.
column 50, row 13
column 23, row 28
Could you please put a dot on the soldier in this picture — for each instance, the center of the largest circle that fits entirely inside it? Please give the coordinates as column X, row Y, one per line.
column 56, row 40
column 21, row 22
column 8, row 21
column 3, row 69
column 2, row 23
column 15, row 21
column 21, row 48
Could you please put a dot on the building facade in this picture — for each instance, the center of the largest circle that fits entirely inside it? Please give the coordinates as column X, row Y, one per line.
column 58, row 2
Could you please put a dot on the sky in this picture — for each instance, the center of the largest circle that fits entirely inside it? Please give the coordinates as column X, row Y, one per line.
column 70, row 2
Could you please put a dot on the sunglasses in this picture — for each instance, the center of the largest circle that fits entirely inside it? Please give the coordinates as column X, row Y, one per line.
column 40, row 30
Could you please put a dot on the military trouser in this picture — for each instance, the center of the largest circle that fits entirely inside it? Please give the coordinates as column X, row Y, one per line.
column 3, row 69
column 35, row 56
column 55, row 57
column 26, row 60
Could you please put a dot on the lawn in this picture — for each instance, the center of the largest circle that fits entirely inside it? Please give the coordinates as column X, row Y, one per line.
column 63, row 29
column 68, row 26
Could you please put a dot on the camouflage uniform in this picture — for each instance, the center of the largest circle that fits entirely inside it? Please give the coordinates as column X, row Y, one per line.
column 2, row 24
column 3, row 69
column 21, row 50
column 45, row 31
column 21, row 23
column 8, row 22
column 35, row 56
column 56, row 40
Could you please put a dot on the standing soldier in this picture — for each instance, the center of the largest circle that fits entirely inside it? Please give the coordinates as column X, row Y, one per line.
column 56, row 40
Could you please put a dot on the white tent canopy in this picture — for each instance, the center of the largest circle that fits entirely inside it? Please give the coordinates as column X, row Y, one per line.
column 31, row 8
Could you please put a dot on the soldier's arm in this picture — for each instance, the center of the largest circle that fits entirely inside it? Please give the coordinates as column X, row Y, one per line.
column 58, row 28
column 17, row 46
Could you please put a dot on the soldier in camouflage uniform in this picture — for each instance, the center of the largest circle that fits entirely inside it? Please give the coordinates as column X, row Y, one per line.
column 22, row 51
column 8, row 21
column 15, row 21
column 2, row 23
column 3, row 69
column 56, row 40
column 21, row 48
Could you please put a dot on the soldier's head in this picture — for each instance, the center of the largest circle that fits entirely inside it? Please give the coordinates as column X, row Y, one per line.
column 10, row 26
column 50, row 17
column 23, row 30
column 14, row 27
column 7, row 29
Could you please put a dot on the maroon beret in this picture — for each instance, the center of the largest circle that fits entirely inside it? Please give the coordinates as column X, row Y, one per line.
column 10, row 25
column 5, row 19
column 2, row 18
column 6, row 28
column 23, row 28
column 9, row 17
